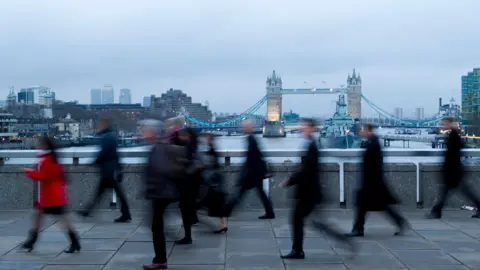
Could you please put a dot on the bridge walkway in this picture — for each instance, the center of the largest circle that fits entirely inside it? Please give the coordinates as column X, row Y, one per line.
column 452, row 243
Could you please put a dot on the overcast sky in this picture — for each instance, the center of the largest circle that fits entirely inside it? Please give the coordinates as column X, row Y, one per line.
column 408, row 52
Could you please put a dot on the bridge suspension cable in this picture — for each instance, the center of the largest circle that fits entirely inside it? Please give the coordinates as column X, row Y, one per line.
column 236, row 119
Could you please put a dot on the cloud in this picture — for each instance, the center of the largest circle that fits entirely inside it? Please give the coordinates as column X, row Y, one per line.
column 213, row 47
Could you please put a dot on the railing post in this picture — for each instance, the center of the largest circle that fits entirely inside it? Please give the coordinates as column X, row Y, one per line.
column 76, row 161
column 113, row 202
column 227, row 161
column 418, row 185
column 2, row 161
column 341, row 171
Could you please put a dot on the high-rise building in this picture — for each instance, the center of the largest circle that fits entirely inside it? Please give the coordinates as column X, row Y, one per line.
column 398, row 112
column 96, row 96
column 147, row 101
column 419, row 114
column 108, row 96
column 470, row 96
column 354, row 95
column 125, row 96
column 174, row 102
column 26, row 96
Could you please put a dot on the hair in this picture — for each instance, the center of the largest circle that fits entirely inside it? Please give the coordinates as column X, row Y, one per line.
column 310, row 122
column 49, row 144
column 449, row 119
column 368, row 127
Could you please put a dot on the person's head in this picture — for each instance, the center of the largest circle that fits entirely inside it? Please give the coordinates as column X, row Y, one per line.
column 104, row 124
column 247, row 126
column 210, row 139
column 308, row 127
column 367, row 130
column 46, row 143
column 449, row 122
column 152, row 129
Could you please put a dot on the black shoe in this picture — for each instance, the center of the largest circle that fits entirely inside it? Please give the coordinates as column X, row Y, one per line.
column 405, row 227
column 30, row 243
column 184, row 241
column 433, row 215
column 476, row 215
column 73, row 248
column 294, row 255
column 83, row 213
column 123, row 219
column 155, row 266
column 354, row 234
column 267, row 217
column 222, row 230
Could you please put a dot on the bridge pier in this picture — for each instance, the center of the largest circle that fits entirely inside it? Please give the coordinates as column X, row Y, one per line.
column 274, row 130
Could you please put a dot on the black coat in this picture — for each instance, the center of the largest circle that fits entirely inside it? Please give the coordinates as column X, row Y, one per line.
column 254, row 169
column 373, row 193
column 108, row 159
column 452, row 168
column 307, row 178
column 165, row 171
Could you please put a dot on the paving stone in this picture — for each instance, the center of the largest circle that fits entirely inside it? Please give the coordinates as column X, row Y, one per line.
column 73, row 267
column 92, row 257
column 452, row 243
column 19, row 265
column 424, row 257
column 253, row 259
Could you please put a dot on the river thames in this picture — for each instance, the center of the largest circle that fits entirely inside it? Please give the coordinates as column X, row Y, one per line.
column 291, row 142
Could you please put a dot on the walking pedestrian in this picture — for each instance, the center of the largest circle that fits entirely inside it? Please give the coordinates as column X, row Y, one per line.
column 164, row 171
column 53, row 195
column 108, row 161
column 373, row 193
column 453, row 172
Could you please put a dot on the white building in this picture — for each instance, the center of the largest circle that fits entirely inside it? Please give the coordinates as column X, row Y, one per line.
column 108, row 96
column 398, row 112
column 419, row 114
column 69, row 126
column 125, row 96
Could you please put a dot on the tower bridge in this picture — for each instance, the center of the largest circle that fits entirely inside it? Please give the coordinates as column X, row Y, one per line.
column 273, row 98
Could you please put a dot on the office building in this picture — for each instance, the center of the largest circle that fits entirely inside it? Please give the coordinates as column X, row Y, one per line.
column 108, row 96
column 398, row 112
column 125, row 96
column 470, row 96
column 26, row 96
column 174, row 102
column 419, row 114
column 147, row 101
column 96, row 96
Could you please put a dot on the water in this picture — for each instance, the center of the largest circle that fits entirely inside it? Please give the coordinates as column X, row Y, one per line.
column 291, row 142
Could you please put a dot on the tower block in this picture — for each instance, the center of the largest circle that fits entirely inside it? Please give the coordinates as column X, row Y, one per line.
column 354, row 95
column 274, row 126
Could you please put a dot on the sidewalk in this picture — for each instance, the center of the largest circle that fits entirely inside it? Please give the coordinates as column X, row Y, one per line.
column 448, row 244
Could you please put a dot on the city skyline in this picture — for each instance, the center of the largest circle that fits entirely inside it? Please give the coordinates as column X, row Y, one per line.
column 224, row 48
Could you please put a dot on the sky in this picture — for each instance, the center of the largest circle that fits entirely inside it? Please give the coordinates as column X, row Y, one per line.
column 408, row 52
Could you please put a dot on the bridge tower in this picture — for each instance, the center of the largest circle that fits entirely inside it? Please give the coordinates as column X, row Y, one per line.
column 354, row 95
column 274, row 127
column 274, row 98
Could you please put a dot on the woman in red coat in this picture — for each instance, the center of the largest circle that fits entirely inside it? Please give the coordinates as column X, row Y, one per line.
column 53, row 194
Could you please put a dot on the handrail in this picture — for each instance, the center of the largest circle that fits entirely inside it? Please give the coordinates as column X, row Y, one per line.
column 233, row 153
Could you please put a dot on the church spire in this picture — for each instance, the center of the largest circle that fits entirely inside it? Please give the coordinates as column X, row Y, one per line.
column 353, row 75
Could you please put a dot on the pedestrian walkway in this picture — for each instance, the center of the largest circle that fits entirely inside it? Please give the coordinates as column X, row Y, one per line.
column 452, row 243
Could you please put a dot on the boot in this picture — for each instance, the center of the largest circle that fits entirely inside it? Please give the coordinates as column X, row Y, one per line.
column 75, row 244
column 32, row 239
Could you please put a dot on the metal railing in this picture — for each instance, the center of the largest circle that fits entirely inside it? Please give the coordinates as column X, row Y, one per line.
column 341, row 157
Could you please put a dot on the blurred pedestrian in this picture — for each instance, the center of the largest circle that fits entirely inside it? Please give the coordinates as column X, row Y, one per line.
column 453, row 172
column 216, row 195
column 252, row 174
column 108, row 161
column 164, row 171
column 308, row 193
column 373, row 193
column 53, row 195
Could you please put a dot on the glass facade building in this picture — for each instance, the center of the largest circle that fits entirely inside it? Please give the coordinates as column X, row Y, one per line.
column 470, row 96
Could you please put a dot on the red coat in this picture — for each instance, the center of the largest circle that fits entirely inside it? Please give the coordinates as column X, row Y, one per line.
column 53, row 186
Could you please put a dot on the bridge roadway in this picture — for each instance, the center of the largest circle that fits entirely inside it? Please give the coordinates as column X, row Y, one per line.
column 452, row 243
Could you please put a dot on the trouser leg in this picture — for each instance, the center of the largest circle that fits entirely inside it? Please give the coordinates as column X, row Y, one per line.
column 266, row 202
column 158, row 234
column 301, row 211
column 122, row 198
column 359, row 220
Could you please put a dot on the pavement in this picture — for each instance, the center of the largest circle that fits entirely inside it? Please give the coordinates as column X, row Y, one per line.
column 452, row 243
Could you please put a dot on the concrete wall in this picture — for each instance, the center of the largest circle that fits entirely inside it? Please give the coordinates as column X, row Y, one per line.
column 17, row 191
